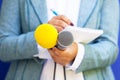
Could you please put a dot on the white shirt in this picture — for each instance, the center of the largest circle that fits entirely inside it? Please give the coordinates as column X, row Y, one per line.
column 69, row 8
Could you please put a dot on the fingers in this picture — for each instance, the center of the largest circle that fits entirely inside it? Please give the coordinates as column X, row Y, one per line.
column 65, row 19
column 60, row 22
column 56, row 57
column 59, row 56
column 55, row 52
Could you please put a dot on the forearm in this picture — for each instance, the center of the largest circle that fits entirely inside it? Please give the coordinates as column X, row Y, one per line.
column 14, row 43
column 98, row 56
column 18, row 47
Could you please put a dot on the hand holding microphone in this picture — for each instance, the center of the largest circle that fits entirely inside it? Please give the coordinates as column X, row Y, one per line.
column 60, row 22
column 68, row 54
column 48, row 37
column 66, row 50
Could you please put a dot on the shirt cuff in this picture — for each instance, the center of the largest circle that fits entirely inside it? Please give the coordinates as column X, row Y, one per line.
column 78, row 58
column 42, row 53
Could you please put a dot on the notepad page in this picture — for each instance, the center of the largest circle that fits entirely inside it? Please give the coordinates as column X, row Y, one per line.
column 84, row 35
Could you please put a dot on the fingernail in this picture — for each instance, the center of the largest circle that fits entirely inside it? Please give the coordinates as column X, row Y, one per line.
column 71, row 24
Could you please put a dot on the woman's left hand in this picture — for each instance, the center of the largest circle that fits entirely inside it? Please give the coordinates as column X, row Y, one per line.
column 66, row 56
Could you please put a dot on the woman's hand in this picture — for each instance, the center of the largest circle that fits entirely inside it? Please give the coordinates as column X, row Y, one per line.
column 66, row 56
column 60, row 22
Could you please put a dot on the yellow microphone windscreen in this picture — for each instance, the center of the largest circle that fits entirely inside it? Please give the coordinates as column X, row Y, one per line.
column 46, row 35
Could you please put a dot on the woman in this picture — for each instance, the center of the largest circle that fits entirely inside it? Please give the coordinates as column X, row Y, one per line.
column 19, row 19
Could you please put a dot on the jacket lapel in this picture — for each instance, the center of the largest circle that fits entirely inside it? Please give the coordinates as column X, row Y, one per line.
column 86, row 9
column 40, row 9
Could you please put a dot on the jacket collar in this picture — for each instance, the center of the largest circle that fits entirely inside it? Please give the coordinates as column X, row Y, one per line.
column 86, row 9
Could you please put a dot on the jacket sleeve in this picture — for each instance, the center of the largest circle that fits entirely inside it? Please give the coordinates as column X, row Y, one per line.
column 13, row 43
column 104, row 50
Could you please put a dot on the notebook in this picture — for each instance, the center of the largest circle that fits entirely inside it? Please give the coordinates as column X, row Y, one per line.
column 84, row 35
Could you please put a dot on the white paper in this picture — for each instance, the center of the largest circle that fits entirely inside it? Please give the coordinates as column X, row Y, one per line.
column 84, row 35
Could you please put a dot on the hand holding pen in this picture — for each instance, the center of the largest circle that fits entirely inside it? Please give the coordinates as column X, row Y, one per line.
column 60, row 21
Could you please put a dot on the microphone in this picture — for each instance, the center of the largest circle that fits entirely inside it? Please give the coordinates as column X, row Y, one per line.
column 47, row 36
column 65, row 39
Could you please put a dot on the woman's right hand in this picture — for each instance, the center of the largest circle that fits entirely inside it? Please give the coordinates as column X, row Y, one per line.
column 60, row 22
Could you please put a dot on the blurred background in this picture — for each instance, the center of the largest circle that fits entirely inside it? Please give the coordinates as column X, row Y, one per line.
column 115, row 67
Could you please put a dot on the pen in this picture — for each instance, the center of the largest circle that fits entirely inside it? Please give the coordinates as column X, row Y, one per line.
column 55, row 13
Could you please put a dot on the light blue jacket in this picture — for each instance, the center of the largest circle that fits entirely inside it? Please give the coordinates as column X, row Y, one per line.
column 19, row 19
